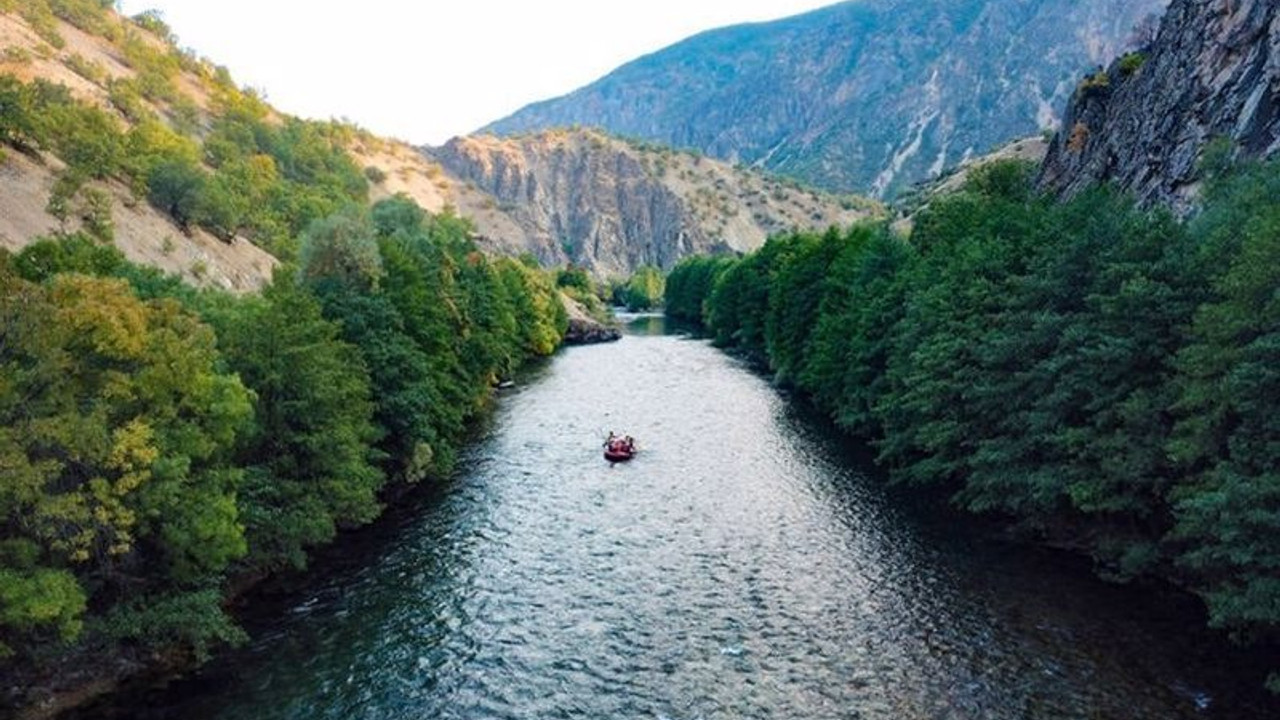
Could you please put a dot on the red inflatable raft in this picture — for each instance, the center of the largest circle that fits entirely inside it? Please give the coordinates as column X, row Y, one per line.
column 619, row 449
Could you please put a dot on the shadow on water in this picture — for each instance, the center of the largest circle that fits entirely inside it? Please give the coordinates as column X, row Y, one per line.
column 748, row 564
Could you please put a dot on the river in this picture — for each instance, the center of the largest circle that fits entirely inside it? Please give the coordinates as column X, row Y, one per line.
column 742, row 566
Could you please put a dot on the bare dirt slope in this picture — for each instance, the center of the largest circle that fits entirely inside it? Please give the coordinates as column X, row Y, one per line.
column 142, row 233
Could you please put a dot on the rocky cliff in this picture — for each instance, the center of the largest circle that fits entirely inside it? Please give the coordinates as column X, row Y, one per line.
column 611, row 206
column 868, row 96
column 1213, row 71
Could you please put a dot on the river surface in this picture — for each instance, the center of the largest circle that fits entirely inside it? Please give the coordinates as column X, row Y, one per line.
column 742, row 566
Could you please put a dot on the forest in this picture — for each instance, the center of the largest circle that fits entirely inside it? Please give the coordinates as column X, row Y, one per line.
column 159, row 441
column 163, row 444
column 1103, row 377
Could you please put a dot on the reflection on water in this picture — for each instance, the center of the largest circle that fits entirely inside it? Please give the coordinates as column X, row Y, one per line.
column 644, row 324
column 738, row 568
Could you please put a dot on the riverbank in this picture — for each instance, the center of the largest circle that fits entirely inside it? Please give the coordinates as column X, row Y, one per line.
column 1086, row 368
column 91, row 677
column 585, row 329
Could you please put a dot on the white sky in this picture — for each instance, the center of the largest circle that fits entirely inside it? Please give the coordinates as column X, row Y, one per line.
column 426, row 71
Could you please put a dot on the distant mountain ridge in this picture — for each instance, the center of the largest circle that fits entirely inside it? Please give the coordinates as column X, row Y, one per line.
column 867, row 96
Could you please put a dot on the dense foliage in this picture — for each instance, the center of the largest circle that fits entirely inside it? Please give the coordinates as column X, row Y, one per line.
column 689, row 285
column 161, row 445
column 643, row 291
column 157, row 440
column 1103, row 375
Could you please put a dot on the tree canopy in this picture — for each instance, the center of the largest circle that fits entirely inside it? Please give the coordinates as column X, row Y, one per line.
column 1100, row 374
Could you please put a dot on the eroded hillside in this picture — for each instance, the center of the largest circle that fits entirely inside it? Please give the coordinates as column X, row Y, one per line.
column 96, row 65
column 611, row 205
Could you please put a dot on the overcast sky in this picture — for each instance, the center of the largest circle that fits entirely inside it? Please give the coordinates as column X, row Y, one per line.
column 426, row 71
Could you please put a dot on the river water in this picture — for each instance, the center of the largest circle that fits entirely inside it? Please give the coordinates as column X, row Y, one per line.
column 742, row 566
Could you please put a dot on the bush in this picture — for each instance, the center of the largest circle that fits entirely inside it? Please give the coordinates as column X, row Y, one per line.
column 1131, row 63
column 19, row 115
column 87, row 69
column 153, row 22
column 644, row 290
column 574, row 277
column 1095, row 84
column 92, row 16
column 177, row 187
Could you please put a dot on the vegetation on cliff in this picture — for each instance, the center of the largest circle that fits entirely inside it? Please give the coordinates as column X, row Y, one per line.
column 1100, row 374
column 247, row 176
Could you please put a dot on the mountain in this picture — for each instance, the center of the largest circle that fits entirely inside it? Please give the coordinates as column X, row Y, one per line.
column 96, row 108
column 609, row 205
column 1212, row 72
column 866, row 96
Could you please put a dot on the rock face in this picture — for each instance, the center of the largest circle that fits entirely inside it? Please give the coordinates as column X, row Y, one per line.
column 584, row 329
column 867, row 96
column 611, row 206
column 1213, row 71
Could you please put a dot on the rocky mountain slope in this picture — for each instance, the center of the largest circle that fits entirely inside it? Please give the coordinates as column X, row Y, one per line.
column 90, row 65
column 1144, row 122
column 579, row 196
column 866, row 96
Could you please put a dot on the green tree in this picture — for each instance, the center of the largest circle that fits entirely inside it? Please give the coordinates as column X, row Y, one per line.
column 689, row 287
column 1228, row 435
column 739, row 303
column 177, row 188
column 19, row 122
column 308, row 453
column 342, row 249
column 644, row 290
column 863, row 296
column 795, row 297
column 973, row 249
column 1078, row 388
column 540, row 315
column 114, row 419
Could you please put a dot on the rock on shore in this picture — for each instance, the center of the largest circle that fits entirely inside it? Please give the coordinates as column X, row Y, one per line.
column 584, row 329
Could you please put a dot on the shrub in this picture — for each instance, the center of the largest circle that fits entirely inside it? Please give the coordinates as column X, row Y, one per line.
column 177, row 188
column 153, row 22
column 88, row 15
column 85, row 68
column 17, row 56
column 1093, row 85
column 644, row 290
column 1131, row 63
